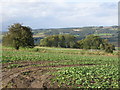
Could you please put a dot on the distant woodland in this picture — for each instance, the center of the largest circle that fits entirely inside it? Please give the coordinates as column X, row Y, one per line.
column 109, row 32
column 100, row 38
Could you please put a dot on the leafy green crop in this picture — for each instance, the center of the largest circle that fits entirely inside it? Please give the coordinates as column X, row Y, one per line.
column 10, row 56
column 14, row 66
column 104, row 76
column 90, row 70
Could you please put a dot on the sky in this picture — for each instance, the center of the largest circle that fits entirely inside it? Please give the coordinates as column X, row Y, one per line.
column 39, row 14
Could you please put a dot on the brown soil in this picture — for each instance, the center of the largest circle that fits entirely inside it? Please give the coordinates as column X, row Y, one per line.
column 29, row 76
column 26, row 63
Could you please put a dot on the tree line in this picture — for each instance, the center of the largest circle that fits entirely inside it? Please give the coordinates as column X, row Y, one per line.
column 69, row 41
column 22, row 36
column 64, row 41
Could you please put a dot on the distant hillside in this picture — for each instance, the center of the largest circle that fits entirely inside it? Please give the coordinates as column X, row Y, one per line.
column 110, row 33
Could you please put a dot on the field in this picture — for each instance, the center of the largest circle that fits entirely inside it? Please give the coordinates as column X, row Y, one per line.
column 103, row 34
column 44, row 67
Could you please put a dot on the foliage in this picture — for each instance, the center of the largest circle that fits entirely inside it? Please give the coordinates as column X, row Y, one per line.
column 110, row 33
column 63, row 56
column 69, row 41
column 17, row 36
column 14, row 66
column 95, row 42
column 66, row 41
column 102, row 76
column 97, row 71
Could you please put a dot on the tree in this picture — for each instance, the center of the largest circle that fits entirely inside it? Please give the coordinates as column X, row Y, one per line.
column 19, row 36
column 61, row 42
column 95, row 42
column 69, row 41
column 66, row 41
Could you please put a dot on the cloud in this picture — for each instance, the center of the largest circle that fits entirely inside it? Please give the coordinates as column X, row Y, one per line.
column 86, row 11
column 59, row 1
column 59, row 13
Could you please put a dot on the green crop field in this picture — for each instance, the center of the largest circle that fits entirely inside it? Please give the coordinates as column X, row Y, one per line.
column 73, row 68
column 103, row 34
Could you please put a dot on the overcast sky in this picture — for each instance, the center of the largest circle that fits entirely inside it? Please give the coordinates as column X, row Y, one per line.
column 59, row 13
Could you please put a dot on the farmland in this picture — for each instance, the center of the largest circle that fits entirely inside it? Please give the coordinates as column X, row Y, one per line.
column 110, row 33
column 49, row 67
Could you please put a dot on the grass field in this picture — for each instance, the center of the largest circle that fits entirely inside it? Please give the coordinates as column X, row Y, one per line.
column 103, row 34
column 45, row 67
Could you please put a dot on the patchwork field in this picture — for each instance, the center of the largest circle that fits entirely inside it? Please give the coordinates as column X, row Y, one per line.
column 44, row 67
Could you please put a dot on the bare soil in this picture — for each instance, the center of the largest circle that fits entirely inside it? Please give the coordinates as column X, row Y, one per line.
column 28, row 76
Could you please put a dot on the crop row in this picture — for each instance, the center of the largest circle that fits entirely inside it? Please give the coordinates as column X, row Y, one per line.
column 12, row 56
column 103, row 76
